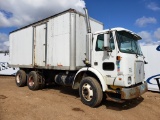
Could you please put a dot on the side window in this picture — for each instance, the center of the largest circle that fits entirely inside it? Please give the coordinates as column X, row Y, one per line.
column 100, row 42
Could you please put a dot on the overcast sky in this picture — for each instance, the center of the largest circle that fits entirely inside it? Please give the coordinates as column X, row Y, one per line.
column 140, row 16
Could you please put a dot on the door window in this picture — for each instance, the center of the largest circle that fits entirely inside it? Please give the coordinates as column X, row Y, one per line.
column 100, row 42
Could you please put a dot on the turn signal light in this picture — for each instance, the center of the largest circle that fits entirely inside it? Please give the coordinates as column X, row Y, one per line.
column 119, row 58
column 119, row 78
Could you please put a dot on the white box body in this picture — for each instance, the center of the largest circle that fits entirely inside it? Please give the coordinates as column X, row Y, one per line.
column 57, row 42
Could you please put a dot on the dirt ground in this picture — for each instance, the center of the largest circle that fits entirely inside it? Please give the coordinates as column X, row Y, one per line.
column 62, row 103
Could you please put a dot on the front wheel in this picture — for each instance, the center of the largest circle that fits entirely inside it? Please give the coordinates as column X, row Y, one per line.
column 90, row 92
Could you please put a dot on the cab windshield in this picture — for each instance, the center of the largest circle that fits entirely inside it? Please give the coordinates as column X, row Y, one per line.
column 128, row 43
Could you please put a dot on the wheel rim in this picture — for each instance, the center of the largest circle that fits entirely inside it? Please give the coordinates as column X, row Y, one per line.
column 87, row 92
column 31, row 81
column 18, row 78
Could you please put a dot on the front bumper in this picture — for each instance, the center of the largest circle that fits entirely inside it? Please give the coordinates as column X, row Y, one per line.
column 130, row 93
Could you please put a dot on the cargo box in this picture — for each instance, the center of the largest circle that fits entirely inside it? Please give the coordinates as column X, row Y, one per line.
column 57, row 42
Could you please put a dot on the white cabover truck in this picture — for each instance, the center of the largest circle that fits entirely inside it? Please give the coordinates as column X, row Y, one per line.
column 63, row 49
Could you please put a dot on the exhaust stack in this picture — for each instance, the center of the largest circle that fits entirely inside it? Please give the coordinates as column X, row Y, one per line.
column 89, row 37
column 87, row 21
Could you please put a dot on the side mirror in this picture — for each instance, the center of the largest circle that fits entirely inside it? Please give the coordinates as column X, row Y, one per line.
column 106, row 42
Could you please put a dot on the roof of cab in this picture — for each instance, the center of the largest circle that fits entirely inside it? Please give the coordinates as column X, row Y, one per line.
column 119, row 29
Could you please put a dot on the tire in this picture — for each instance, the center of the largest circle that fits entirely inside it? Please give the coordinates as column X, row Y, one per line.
column 33, row 81
column 21, row 78
column 90, row 92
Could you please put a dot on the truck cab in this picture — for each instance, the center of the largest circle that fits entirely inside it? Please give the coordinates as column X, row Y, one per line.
column 120, row 59
column 121, row 62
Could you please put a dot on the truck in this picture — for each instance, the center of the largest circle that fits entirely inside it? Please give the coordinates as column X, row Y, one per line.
column 4, row 66
column 152, row 72
column 72, row 49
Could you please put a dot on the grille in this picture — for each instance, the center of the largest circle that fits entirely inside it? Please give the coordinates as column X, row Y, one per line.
column 139, row 71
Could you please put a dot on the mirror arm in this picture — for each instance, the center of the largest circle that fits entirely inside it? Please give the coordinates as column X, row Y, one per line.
column 145, row 62
column 108, row 49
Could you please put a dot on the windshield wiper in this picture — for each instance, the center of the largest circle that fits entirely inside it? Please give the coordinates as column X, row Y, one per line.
column 130, row 50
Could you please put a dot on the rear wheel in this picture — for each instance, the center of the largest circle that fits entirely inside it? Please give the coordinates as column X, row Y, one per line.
column 90, row 92
column 20, row 78
column 35, row 81
column 32, row 82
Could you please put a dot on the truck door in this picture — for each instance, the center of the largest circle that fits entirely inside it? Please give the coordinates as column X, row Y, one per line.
column 40, row 45
column 103, row 61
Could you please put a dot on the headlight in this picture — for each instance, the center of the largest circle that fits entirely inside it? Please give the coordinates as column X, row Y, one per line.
column 129, row 80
